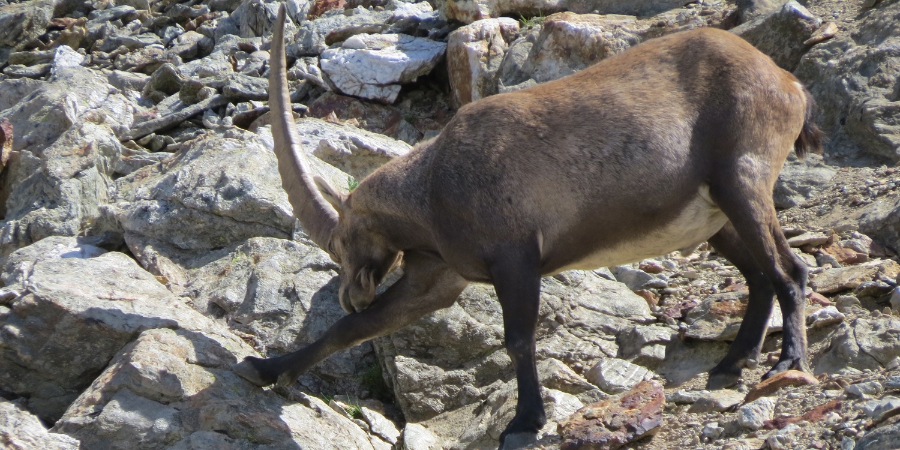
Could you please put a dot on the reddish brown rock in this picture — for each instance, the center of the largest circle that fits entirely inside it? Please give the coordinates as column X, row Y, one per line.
column 845, row 255
column 814, row 415
column 652, row 299
column 818, row 299
column 319, row 7
column 6, row 140
column 776, row 382
column 651, row 266
column 616, row 421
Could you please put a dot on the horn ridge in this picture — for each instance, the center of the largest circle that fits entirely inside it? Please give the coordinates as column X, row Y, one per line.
column 316, row 215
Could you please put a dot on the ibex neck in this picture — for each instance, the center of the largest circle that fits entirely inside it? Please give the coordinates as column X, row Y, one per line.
column 395, row 199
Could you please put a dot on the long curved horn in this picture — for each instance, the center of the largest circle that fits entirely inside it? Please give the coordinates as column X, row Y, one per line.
column 316, row 215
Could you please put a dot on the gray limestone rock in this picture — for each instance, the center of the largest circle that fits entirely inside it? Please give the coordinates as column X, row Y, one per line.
column 800, row 180
column 220, row 190
column 175, row 388
column 72, row 316
column 64, row 189
column 882, row 438
column 282, row 293
column 754, row 414
column 19, row 429
column 469, row 11
column 721, row 400
column 20, row 23
column 781, row 34
column 353, row 150
column 863, row 343
column 856, row 108
column 312, row 37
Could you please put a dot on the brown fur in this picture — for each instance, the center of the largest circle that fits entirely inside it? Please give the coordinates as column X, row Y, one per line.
column 676, row 139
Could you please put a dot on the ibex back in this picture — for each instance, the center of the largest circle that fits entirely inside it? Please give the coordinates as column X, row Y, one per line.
column 669, row 144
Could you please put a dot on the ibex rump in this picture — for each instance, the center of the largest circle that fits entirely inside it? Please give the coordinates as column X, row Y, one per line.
column 669, row 144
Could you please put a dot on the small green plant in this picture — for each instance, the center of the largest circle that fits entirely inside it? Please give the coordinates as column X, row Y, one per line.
column 373, row 381
column 352, row 183
column 528, row 22
column 355, row 410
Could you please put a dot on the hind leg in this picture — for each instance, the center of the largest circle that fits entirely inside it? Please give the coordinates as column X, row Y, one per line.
column 750, row 336
column 747, row 202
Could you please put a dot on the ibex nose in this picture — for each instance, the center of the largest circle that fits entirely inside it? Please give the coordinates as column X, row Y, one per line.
column 344, row 300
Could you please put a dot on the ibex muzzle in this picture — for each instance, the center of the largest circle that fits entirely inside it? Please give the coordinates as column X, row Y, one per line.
column 672, row 143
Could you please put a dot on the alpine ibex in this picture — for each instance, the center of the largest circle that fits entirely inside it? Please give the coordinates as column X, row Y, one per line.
column 669, row 144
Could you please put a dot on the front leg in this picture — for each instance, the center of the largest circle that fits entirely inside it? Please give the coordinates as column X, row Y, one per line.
column 518, row 286
column 427, row 285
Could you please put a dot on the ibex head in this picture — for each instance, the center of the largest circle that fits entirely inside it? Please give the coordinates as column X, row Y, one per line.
column 365, row 256
column 326, row 214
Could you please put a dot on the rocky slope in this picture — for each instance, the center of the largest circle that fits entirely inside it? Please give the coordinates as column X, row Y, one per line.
column 146, row 244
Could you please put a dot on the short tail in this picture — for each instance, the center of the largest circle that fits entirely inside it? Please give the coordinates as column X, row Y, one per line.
column 810, row 139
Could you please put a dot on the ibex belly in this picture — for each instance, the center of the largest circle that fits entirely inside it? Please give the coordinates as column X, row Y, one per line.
column 697, row 222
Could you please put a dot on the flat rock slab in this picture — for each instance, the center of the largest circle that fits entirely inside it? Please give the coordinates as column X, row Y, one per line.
column 814, row 239
column 72, row 316
column 374, row 66
column 353, row 150
column 778, row 381
column 615, row 375
column 470, row 11
column 719, row 317
column 616, row 421
column 175, row 388
column 721, row 400
column 845, row 278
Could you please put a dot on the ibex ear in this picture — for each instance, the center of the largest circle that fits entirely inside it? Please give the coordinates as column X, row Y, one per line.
column 337, row 199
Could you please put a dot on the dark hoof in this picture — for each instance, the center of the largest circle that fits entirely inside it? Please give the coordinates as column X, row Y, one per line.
column 722, row 378
column 518, row 440
column 286, row 379
column 251, row 370
column 785, row 365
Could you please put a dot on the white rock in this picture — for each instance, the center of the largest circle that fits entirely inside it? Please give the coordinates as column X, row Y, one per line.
column 865, row 389
column 615, row 375
column 380, row 426
column 875, row 409
column 375, row 65
column 828, row 315
column 65, row 57
column 754, row 414
column 417, row 437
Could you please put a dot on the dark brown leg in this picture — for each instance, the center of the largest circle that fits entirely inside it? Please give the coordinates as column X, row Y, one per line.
column 750, row 336
column 426, row 286
column 749, row 206
column 518, row 286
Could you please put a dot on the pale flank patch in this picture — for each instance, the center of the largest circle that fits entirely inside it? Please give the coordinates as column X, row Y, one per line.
column 697, row 222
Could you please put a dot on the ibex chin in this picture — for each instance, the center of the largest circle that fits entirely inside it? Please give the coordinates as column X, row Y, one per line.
column 669, row 144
